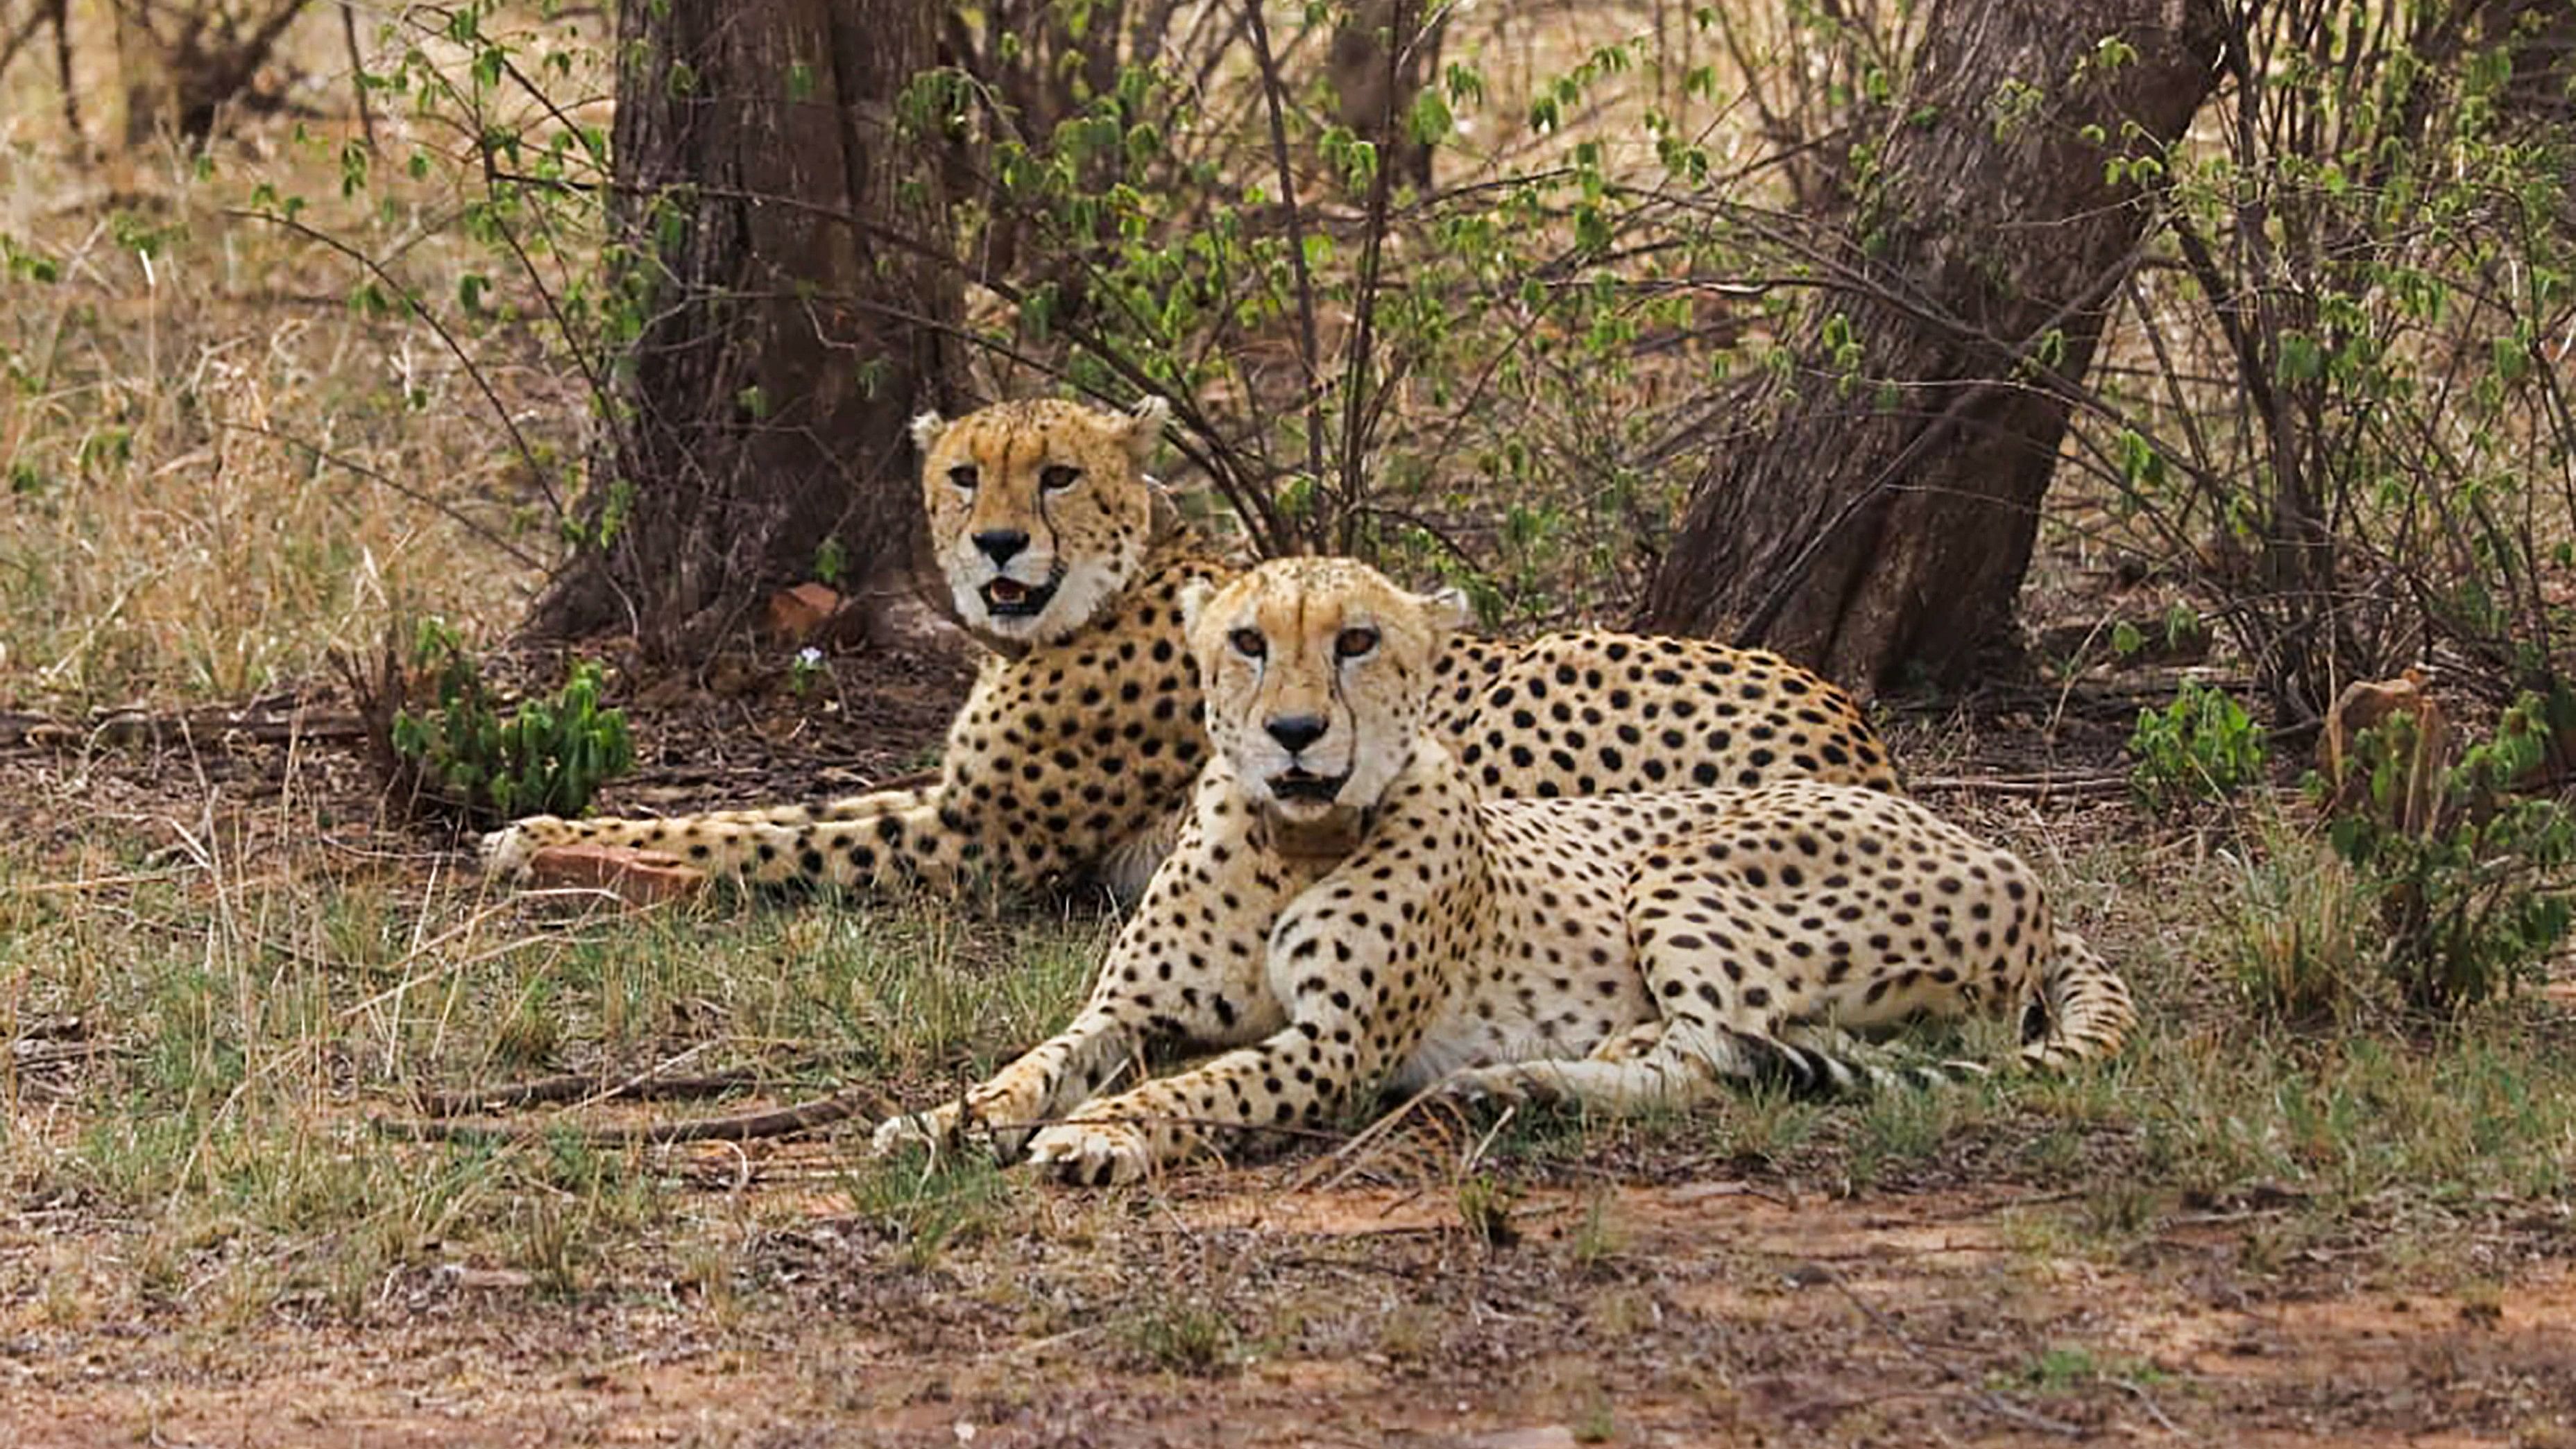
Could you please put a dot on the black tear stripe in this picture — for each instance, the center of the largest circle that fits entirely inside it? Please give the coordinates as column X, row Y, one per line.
column 1046, row 520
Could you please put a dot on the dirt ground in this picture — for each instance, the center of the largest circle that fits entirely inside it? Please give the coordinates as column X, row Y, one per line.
column 1634, row 1301
column 1711, row 1311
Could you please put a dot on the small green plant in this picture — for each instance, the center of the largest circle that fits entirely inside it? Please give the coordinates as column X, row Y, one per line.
column 2203, row 746
column 1485, row 1206
column 546, row 756
column 2068, row 1368
column 2473, row 897
column 2057, row 1370
column 1598, row 1241
column 2180, row 632
column 1192, row 1338
column 804, row 669
column 957, row 1202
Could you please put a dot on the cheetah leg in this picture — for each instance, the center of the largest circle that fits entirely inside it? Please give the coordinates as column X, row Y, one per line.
column 1150, row 987
column 1342, row 1029
column 925, row 845
column 2084, row 1011
column 1170, row 1119
column 1104, row 1043
column 1722, row 957
column 1044, row 1082
column 506, row 852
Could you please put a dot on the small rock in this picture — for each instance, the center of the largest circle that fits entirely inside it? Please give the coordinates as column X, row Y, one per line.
column 798, row 614
column 637, row 877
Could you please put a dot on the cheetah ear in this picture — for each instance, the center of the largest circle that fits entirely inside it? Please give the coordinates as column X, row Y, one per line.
column 1450, row 609
column 926, row 430
column 1144, row 428
column 1192, row 597
column 1164, row 510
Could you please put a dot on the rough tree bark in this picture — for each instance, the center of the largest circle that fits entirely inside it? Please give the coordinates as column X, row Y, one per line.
column 785, row 247
column 1879, row 520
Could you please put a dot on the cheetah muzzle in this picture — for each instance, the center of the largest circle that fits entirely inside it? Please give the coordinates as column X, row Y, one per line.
column 1011, row 599
column 1303, row 788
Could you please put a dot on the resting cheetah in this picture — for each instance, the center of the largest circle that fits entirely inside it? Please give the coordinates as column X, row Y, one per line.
column 1343, row 912
column 1073, row 756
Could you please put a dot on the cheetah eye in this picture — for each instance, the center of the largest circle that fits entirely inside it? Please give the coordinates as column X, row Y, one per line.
column 963, row 475
column 1248, row 643
column 1353, row 643
column 1057, row 477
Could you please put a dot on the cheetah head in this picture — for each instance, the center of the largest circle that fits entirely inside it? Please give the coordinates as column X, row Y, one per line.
column 1040, row 511
column 1317, row 673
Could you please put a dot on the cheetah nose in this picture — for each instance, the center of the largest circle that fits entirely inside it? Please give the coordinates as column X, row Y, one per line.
column 1297, row 731
column 1000, row 544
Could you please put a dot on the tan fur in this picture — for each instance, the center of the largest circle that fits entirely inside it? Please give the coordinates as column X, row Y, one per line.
column 1617, row 951
column 1072, row 759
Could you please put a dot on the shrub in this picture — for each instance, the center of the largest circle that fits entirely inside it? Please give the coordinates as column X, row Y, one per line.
column 2203, row 746
column 548, row 756
column 2473, row 896
column 2437, row 881
column 2347, row 363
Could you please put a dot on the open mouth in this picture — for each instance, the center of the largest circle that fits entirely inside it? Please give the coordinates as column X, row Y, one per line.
column 1011, row 599
column 1306, row 786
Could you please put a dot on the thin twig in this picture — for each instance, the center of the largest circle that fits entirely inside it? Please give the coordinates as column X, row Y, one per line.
column 1310, row 353
column 582, row 1087
column 25, row 32
column 133, row 726
column 1477, row 1154
column 411, row 302
column 2089, row 786
column 785, row 1121
column 2147, row 1402
column 358, row 73
column 390, row 483
column 1358, row 416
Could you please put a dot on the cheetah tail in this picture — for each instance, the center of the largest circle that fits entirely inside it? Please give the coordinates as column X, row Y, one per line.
column 1807, row 1071
column 2084, row 1011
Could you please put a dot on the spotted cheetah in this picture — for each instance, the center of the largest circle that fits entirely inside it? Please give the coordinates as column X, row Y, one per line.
column 1073, row 756
column 1344, row 911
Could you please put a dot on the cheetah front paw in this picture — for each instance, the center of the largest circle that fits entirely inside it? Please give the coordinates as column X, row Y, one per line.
column 1093, row 1154
column 1506, row 1085
column 508, row 851
column 999, row 1111
column 935, row 1130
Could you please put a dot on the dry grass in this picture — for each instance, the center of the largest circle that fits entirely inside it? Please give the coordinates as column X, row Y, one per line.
column 219, row 469
column 214, row 969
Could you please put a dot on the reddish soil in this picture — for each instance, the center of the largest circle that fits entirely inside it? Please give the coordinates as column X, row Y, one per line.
column 1702, row 1312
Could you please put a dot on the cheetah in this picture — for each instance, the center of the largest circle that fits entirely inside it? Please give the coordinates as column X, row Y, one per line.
column 1073, row 756
column 1344, row 912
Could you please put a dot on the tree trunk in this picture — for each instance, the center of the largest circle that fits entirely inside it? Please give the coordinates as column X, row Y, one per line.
column 1383, row 53
column 1877, row 510
column 783, row 252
